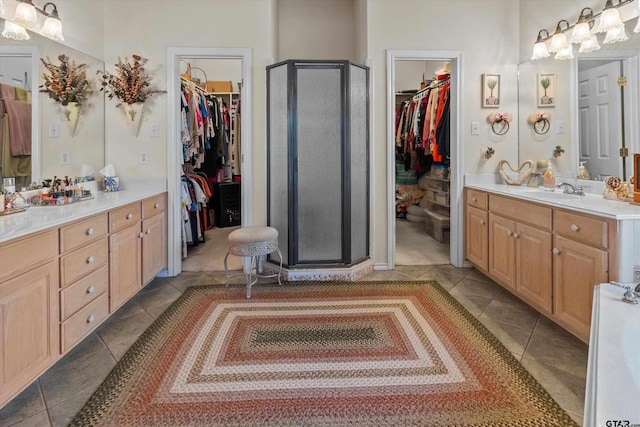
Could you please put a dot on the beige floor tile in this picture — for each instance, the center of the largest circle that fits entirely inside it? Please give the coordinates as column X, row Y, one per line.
column 119, row 349
column 41, row 419
column 62, row 413
column 515, row 339
column 115, row 331
column 25, row 405
column 160, row 296
column 475, row 304
column 508, row 309
column 476, row 287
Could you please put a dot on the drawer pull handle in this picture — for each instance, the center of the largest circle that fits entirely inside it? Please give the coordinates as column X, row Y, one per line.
column 141, row 235
column 90, row 232
column 509, row 233
column 474, row 200
column 156, row 206
column 556, row 251
column 91, row 290
column 575, row 227
column 91, row 319
column 90, row 260
column 482, row 222
column 516, row 235
column 129, row 216
column 148, row 231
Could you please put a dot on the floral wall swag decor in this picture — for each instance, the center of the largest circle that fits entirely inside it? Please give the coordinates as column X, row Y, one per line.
column 67, row 84
column 131, row 87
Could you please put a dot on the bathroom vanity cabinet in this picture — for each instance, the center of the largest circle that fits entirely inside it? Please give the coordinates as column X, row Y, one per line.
column 549, row 256
column 63, row 279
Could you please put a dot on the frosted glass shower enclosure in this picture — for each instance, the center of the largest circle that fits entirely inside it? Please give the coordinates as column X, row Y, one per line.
column 318, row 161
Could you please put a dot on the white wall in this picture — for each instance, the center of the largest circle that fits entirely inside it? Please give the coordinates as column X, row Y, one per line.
column 487, row 34
column 316, row 29
column 147, row 28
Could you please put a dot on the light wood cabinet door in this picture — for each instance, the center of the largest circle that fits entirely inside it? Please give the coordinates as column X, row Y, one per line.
column 29, row 333
column 533, row 264
column 577, row 269
column 477, row 237
column 154, row 247
column 125, row 265
column 502, row 250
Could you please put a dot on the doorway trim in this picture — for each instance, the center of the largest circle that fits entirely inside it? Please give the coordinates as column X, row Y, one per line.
column 174, row 152
column 456, row 224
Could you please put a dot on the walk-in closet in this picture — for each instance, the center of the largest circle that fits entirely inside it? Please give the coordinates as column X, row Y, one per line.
column 422, row 161
column 211, row 117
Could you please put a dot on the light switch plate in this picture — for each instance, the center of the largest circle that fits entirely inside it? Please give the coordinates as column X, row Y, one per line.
column 475, row 128
column 65, row 158
column 144, row 157
column 560, row 126
column 54, row 130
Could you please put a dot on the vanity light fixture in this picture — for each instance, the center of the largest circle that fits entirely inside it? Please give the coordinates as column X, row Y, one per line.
column 609, row 23
column 582, row 30
column 540, row 48
column 565, row 53
column 610, row 18
column 26, row 17
column 559, row 39
column 614, row 35
column 590, row 45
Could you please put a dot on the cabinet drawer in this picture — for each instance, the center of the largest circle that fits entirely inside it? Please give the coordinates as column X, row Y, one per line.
column 153, row 206
column 530, row 213
column 84, row 321
column 477, row 199
column 83, row 232
column 124, row 217
column 82, row 292
column 24, row 254
column 83, row 261
column 587, row 229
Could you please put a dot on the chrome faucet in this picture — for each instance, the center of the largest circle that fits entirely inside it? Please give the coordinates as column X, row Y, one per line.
column 570, row 189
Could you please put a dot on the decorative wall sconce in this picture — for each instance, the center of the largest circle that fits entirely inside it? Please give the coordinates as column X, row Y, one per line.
column 489, row 152
column 499, row 122
column 26, row 18
column 540, row 122
column 557, row 152
column 609, row 23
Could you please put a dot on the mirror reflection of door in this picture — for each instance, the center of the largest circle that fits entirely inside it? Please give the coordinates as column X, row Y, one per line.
column 600, row 113
column 15, row 120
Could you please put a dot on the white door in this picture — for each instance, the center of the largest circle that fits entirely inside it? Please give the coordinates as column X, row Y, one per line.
column 14, row 70
column 600, row 112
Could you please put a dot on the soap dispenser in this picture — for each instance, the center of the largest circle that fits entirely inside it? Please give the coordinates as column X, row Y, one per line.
column 549, row 179
column 583, row 172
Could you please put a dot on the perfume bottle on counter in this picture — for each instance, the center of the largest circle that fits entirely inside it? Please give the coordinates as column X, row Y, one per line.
column 549, row 179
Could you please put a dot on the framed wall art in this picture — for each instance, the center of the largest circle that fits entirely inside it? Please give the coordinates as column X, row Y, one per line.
column 546, row 90
column 491, row 90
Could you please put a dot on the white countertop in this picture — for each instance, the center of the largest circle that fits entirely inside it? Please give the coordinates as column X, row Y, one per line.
column 590, row 203
column 38, row 218
column 613, row 373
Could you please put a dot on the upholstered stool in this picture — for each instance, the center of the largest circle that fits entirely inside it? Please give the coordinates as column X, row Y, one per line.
column 253, row 242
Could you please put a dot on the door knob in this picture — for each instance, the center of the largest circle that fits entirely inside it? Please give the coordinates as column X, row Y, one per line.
column 556, row 251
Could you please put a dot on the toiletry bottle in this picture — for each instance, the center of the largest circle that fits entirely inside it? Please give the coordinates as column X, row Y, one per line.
column 583, row 172
column 549, row 179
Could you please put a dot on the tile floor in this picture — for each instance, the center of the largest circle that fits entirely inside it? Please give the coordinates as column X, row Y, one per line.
column 554, row 357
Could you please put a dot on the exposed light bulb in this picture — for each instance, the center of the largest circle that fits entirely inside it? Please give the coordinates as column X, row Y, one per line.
column 590, row 45
column 14, row 31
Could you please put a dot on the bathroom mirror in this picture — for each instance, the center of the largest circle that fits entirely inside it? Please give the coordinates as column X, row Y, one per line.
column 59, row 147
column 592, row 132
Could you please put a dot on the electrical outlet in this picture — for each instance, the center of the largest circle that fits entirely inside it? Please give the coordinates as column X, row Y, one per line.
column 65, row 158
column 475, row 128
column 144, row 157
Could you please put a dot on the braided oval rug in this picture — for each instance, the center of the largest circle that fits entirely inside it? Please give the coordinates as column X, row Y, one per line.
column 317, row 354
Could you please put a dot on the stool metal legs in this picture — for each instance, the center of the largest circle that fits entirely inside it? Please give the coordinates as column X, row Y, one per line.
column 251, row 278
